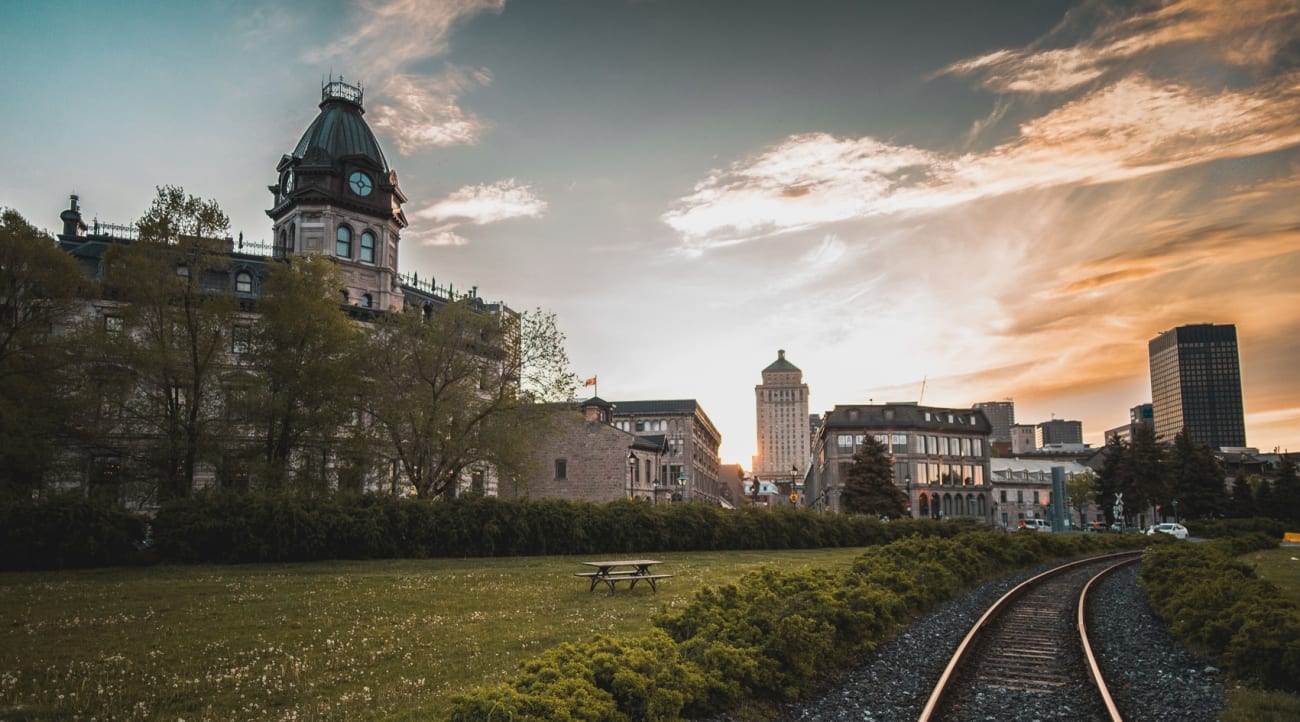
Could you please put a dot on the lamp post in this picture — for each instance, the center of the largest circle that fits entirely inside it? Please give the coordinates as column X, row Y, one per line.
column 907, row 481
column 794, row 485
column 631, row 470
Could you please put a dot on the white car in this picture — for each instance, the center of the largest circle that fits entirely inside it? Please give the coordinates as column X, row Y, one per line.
column 1178, row 530
column 1035, row 525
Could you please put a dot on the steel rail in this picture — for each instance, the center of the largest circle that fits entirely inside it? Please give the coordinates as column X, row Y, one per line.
column 968, row 643
column 1093, row 668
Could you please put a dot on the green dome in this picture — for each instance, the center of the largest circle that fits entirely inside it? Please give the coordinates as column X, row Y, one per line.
column 339, row 131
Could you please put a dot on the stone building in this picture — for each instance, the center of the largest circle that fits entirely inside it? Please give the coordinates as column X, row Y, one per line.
column 940, row 457
column 781, row 415
column 582, row 456
column 690, row 465
column 1022, row 489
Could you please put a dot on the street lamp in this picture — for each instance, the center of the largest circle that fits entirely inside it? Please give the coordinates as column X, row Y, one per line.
column 794, row 481
column 907, row 481
column 631, row 469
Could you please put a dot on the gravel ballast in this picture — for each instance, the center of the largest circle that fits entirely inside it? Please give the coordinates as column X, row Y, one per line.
column 1152, row 676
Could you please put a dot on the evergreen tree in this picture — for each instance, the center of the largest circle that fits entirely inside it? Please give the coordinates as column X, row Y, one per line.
column 1196, row 480
column 1286, row 493
column 1243, row 500
column 869, row 483
column 1144, row 472
column 1110, row 480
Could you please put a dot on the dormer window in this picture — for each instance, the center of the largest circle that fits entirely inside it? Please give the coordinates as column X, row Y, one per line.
column 367, row 247
column 343, row 242
column 243, row 282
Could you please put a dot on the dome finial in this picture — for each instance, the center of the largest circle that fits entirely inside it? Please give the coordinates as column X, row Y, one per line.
column 339, row 90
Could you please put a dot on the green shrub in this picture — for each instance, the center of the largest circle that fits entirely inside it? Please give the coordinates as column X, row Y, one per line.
column 65, row 532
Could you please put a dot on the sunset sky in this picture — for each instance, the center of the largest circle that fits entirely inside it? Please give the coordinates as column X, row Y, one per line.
column 1003, row 199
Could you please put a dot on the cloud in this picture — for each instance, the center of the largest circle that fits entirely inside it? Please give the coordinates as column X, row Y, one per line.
column 1129, row 129
column 422, row 110
column 487, row 203
column 478, row 205
column 1247, row 33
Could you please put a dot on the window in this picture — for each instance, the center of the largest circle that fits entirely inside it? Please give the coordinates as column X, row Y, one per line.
column 239, row 339
column 243, row 282
column 183, row 271
column 367, row 247
column 113, row 325
column 343, row 242
column 844, row 442
column 366, row 300
column 561, row 469
column 343, row 297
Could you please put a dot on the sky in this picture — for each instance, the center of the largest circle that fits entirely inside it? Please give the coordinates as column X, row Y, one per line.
column 944, row 202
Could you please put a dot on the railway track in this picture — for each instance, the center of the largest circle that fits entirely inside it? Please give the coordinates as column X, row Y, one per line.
column 1028, row 656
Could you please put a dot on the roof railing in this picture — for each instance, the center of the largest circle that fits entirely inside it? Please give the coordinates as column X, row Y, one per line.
column 339, row 90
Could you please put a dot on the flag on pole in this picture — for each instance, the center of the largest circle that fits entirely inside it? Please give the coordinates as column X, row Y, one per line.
column 589, row 382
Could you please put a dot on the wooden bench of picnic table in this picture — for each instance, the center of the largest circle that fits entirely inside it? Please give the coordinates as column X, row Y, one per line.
column 611, row 572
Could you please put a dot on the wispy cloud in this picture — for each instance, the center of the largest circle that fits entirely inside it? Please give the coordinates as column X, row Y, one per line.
column 386, row 37
column 478, row 205
column 1129, row 129
column 1250, row 32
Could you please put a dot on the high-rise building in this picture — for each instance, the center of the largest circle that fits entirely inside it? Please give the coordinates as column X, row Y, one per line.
column 1196, row 385
column 784, row 442
column 1002, row 414
column 1058, row 431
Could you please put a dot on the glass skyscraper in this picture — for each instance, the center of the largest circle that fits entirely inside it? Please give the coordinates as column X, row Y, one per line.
column 1196, row 385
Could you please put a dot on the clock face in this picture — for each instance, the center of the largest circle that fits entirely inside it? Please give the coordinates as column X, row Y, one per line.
column 287, row 186
column 360, row 183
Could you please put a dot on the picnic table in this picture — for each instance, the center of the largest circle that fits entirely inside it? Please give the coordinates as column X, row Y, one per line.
column 622, row 570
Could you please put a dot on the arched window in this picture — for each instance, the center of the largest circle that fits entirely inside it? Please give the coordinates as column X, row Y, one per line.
column 284, row 244
column 343, row 296
column 367, row 247
column 343, row 242
column 293, row 237
column 366, row 301
column 243, row 282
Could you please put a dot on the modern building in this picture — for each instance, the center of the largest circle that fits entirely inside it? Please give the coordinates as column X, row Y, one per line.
column 940, row 457
column 1057, row 432
column 691, row 463
column 583, row 457
column 1137, row 416
column 1196, row 385
column 1002, row 415
column 781, row 402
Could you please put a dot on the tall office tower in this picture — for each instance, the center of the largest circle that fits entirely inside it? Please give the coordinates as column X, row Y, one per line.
column 1196, row 385
column 782, row 413
column 1002, row 414
column 1058, row 431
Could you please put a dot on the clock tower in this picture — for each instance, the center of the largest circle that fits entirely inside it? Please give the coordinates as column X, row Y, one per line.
column 336, row 196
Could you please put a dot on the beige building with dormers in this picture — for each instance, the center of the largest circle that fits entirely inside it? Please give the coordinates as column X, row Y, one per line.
column 781, row 411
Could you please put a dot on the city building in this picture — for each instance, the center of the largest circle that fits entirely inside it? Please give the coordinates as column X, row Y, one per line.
column 334, row 196
column 582, row 456
column 1023, row 438
column 691, row 461
column 1196, row 385
column 1057, row 432
column 940, row 457
column 784, row 425
column 1138, row 415
column 1002, row 415
column 1022, row 489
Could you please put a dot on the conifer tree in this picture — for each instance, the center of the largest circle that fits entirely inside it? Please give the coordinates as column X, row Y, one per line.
column 869, row 483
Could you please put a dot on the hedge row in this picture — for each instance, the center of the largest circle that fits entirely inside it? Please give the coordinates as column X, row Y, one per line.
column 1218, row 528
column 770, row 636
column 1217, row 606
column 73, row 532
column 67, row 532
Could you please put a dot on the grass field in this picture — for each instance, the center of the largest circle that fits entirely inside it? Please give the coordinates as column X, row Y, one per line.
column 331, row 640
column 1282, row 567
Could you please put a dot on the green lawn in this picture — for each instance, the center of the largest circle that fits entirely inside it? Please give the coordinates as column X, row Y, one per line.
column 1282, row 567
column 332, row 640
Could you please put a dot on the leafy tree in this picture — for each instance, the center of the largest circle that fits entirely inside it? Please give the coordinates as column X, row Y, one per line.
column 543, row 361
column 303, row 380
column 1079, row 489
column 445, row 391
column 39, row 285
column 1196, row 479
column 176, row 319
column 869, row 483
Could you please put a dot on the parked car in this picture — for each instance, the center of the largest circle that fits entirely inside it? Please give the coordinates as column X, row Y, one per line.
column 1177, row 530
column 1035, row 525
